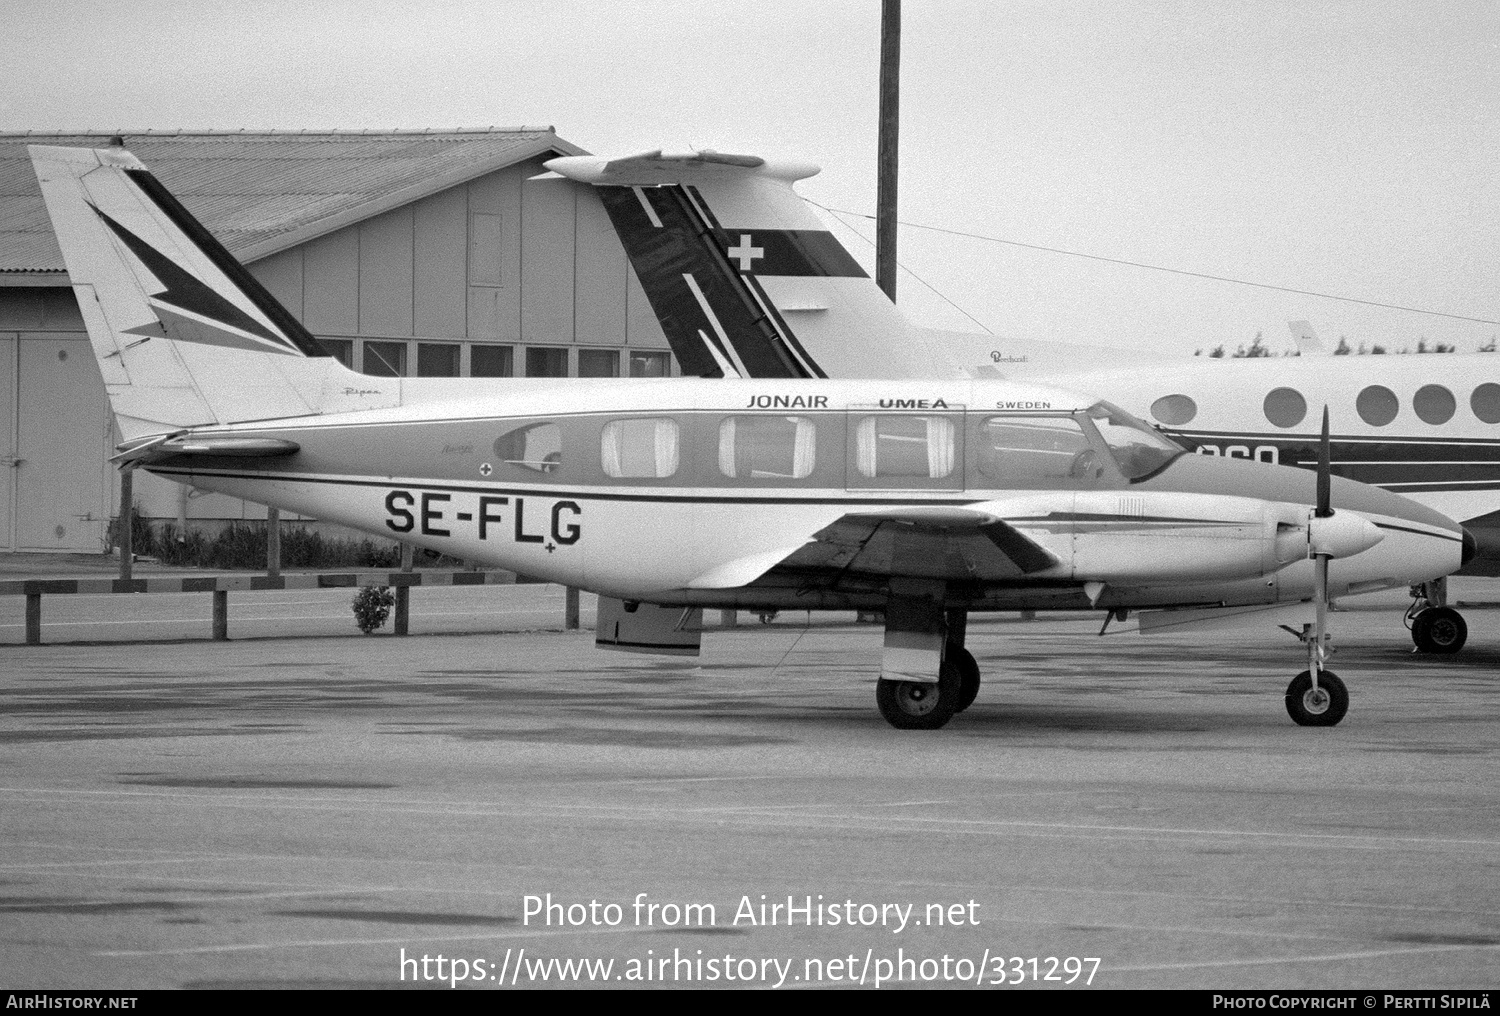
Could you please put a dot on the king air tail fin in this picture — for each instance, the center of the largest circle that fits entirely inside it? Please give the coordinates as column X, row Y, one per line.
column 743, row 277
column 184, row 335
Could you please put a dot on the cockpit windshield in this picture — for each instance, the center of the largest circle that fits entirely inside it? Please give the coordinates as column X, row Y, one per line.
column 1138, row 450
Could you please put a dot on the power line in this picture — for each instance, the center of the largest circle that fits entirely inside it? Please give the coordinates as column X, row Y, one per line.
column 902, row 265
column 1174, row 271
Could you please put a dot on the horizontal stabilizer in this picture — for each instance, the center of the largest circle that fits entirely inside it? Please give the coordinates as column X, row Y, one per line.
column 169, row 446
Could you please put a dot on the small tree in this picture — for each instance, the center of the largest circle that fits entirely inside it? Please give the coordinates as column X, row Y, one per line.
column 372, row 605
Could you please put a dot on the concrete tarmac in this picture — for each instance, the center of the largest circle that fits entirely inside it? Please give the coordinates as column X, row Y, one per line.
column 329, row 810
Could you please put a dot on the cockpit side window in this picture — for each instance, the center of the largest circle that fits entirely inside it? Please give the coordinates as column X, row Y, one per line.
column 1138, row 450
column 1022, row 451
column 536, row 447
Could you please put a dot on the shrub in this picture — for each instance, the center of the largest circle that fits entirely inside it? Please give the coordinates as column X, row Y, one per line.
column 372, row 605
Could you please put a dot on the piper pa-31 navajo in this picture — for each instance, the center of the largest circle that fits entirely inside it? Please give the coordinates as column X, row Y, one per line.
column 923, row 499
column 747, row 283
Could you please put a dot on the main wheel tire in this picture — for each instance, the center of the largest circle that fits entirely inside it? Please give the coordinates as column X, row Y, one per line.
column 1439, row 630
column 1323, row 708
column 968, row 675
column 912, row 705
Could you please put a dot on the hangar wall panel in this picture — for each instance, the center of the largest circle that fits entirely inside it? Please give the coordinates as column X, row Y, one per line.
column 439, row 265
column 601, row 275
column 62, row 481
column 331, row 283
column 495, row 254
column 281, row 274
column 7, row 437
column 547, row 245
column 642, row 330
column 385, row 274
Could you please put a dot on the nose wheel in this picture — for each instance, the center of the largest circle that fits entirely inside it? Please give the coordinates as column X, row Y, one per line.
column 1322, row 706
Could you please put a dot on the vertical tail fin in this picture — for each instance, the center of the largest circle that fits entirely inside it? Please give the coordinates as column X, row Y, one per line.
column 743, row 277
column 184, row 335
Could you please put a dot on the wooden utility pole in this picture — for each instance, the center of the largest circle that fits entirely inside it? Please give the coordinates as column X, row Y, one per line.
column 890, row 123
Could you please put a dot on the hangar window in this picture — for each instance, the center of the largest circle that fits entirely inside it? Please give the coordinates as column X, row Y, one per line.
column 1021, row 450
column 341, row 350
column 537, row 447
column 650, row 364
column 904, row 446
column 1285, row 407
column 598, row 363
column 544, row 361
column 767, row 447
column 643, row 448
column 1434, row 404
column 491, row 361
column 1486, row 402
column 1174, row 410
column 437, row 359
column 384, row 359
column 1377, row 405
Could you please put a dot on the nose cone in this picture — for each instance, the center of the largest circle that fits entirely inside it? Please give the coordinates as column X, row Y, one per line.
column 1342, row 535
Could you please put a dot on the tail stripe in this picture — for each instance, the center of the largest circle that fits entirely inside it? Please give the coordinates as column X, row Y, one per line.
column 225, row 262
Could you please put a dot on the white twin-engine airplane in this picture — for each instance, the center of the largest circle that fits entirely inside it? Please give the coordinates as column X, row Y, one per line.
column 747, row 282
column 922, row 499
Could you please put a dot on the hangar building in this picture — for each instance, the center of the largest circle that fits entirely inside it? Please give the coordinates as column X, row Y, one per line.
column 429, row 253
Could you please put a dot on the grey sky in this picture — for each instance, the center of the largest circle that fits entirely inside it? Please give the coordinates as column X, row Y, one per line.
column 1339, row 147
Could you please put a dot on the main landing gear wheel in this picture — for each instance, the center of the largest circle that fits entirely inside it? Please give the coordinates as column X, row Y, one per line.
column 968, row 676
column 1321, row 708
column 1439, row 630
column 911, row 705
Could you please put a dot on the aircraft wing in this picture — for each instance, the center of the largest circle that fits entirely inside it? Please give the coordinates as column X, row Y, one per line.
column 952, row 543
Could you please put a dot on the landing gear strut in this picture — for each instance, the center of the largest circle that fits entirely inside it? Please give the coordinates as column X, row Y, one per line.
column 920, row 640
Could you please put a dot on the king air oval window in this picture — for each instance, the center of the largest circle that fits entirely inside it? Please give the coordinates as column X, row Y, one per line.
column 1434, row 404
column 1377, row 405
column 1285, row 407
column 1174, row 410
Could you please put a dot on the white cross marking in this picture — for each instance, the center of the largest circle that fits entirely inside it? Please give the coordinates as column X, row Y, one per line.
column 746, row 253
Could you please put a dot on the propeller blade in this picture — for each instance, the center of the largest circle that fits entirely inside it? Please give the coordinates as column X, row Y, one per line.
column 1325, row 473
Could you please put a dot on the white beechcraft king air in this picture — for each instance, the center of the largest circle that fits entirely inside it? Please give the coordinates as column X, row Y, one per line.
column 924, row 499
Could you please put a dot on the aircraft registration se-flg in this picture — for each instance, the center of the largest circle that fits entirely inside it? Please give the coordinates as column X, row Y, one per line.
column 922, row 499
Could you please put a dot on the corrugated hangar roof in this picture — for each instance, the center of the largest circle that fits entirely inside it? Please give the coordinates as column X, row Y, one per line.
column 261, row 192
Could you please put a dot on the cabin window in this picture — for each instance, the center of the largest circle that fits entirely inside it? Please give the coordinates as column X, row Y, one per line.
column 1285, row 407
column 1022, row 450
column 905, row 446
column 644, row 448
column 1486, row 402
column 1174, row 410
column 1377, row 405
column 537, row 447
column 767, row 447
column 1434, row 404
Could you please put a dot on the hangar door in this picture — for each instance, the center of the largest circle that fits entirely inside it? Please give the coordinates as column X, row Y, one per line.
column 62, row 485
